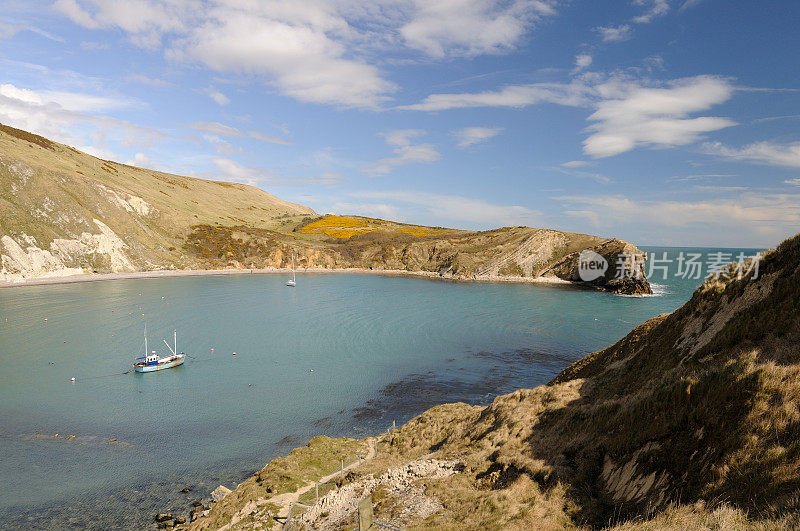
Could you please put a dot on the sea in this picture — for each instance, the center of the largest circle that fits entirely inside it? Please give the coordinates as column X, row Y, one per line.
column 268, row 367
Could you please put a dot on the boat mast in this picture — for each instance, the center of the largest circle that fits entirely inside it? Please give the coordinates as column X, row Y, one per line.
column 175, row 337
column 292, row 265
column 146, row 350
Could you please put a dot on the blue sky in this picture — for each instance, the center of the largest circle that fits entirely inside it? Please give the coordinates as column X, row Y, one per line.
column 663, row 122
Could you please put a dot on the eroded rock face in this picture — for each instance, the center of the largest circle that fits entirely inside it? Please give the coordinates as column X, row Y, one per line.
column 65, row 256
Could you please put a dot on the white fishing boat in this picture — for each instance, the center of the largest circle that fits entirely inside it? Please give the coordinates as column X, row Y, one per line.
column 153, row 362
column 292, row 282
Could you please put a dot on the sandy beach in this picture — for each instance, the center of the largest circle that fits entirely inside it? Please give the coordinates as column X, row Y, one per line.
column 170, row 273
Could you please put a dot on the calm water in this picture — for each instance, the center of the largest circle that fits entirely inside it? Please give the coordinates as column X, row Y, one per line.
column 381, row 349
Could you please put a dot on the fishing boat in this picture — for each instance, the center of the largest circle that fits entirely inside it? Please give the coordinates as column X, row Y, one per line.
column 292, row 282
column 153, row 362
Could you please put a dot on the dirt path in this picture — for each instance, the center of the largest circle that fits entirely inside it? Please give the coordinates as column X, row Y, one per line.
column 286, row 500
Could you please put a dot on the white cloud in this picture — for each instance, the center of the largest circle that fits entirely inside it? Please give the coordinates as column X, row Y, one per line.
column 573, row 94
column 569, row 169
column 657, row 9
column 469, row 136
column 582, row 61
column 761, row 152
column 630, row 115
column 73, row 118
column 268, row 138
column 471, row 27
column 454, row 210
column 216, row 128
column 231, row 170
column 748, row 219
column 615, row 33
column 153, row 82
column 795, row 181
column 405, row 151
column 140, row 160
column 320, row 52
column 576, row 164
column 216, row 95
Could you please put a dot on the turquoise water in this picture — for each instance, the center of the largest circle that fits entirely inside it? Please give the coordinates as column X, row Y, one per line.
column 381, row 349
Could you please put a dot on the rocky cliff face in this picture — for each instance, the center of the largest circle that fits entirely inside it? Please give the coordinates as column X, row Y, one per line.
column 691, row 421
column 65, row 212
column 511, row 253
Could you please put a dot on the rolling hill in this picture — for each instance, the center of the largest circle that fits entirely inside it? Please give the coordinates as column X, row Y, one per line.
column 65, row 212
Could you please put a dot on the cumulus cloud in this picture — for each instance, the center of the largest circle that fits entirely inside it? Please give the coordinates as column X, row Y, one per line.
column 73, row 118
column 319, row 52
column 230, row 170
column 771, row 153
column 405, row 151
column 614, row 33
column 630, row 115
column 469, row 136
column 471, row 27
column 582, row 61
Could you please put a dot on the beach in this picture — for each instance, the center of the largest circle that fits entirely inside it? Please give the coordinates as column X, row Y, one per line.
column 173, row 273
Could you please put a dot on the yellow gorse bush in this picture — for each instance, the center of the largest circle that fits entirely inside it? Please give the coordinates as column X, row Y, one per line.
column 346, row 227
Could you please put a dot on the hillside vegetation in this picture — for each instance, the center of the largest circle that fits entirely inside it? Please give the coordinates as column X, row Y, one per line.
column 691, row 421
column 65, row 212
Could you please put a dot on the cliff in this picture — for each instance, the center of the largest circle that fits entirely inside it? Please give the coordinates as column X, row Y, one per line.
column 691, row 421
column 65, row 212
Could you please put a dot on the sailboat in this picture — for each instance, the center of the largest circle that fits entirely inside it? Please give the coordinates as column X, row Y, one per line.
column 292, row 282
column 153, row 362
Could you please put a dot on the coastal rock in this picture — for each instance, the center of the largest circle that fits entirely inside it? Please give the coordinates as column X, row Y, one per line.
column 219, row 493
column 163, row 517
column 180, row 520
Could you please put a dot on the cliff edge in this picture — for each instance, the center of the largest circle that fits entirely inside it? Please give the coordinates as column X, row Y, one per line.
column 690, row 421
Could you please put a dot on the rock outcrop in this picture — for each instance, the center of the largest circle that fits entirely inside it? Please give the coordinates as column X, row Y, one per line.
column 690, row 421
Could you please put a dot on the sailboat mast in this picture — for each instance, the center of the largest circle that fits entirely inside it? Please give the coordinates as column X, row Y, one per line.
column 175, row 332
column 293, row 266
column 146, row 350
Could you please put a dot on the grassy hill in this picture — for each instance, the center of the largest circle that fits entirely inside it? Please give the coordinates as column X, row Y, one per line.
column 65, row 212
column 691, row 421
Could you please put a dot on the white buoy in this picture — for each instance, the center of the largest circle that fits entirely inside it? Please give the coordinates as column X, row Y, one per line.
column 312, row 370
column 72, row 379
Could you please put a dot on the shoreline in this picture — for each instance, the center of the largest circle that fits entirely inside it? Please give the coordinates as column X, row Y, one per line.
column 175, row 273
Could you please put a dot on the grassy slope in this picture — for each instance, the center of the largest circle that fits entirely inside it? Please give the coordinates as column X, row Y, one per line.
column 691, row 421
column 49, row 191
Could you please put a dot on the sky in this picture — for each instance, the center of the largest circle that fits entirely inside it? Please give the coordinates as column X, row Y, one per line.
column 661, row 122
